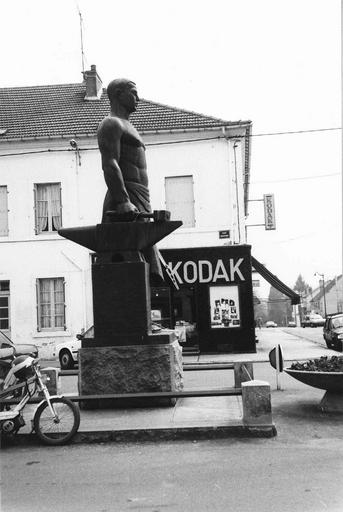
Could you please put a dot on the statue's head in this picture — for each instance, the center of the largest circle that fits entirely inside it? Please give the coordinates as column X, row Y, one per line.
column 118, row 89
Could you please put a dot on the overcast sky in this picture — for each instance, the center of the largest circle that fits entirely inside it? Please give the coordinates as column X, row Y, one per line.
column 274, row 62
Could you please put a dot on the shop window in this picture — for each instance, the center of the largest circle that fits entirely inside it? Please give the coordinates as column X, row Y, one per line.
column 161, row 314
column 5, row 305
column 51, row 304
column 180, row 199
column 3, row 211
column 184, row 309
column 48, row 207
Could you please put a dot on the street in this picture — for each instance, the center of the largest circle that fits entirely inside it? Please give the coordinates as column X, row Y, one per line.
column 299, row 470
column 314, row 334
column 291, row 472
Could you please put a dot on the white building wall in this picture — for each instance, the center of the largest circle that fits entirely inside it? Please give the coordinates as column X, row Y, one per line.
column 25, row 256
column 211, row 164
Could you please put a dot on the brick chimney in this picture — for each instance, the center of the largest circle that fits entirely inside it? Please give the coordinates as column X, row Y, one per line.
column 93, row 84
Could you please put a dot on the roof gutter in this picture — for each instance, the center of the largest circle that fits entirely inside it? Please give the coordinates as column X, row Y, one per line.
column 244, row 124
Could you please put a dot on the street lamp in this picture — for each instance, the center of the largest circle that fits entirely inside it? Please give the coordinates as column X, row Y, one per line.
column 322, row 276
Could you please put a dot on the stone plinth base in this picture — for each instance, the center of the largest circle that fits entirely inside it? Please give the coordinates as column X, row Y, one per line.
column 130, row 369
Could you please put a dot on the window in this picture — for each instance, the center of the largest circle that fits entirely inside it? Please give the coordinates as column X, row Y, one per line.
column 5, row 305
column 180, row 199
column 3, row 211
column 48, row 207
column 51, row 304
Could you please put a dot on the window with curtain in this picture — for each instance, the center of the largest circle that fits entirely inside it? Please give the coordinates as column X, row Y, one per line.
column 51, row 304
column 48, row 207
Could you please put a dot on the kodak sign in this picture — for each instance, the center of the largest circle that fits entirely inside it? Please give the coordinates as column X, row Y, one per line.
column 205, row 271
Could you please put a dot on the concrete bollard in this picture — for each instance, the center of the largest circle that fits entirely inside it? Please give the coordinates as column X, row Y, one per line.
column 244, row 372
column 53, row 381
column 257, row 409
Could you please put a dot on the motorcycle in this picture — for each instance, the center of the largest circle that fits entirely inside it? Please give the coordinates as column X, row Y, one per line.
column 56, row 418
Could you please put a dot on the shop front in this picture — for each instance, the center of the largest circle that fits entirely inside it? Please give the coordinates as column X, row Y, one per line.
column 210, row 302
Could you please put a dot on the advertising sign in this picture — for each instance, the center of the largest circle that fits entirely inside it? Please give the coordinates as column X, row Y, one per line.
column 224, row 307
column 269, row 212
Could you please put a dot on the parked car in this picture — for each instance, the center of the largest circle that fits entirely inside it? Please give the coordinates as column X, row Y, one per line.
column 20, row 349
column 333, row 331
column 270, row 323
column 68, row 351
column 291, row 324
column 312, row 320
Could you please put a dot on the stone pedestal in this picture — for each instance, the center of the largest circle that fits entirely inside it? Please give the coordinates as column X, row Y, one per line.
column 130, row 369
column 256, row 402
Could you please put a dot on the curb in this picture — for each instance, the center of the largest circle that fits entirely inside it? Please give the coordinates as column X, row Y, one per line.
column 155, row 434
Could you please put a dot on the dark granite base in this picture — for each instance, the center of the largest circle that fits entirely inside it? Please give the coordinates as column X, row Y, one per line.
column 130, row 369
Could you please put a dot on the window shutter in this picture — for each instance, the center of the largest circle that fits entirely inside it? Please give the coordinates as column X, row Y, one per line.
column 64, row 304
column 180, row 199
column 35, row 208
column 3, row 211
column 61, row 204
column 38, row 305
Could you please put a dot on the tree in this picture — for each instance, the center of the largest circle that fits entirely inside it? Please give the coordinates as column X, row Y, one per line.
column 279, row 307
column 301, row 286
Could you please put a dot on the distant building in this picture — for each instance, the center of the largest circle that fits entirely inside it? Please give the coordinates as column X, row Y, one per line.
column 327, row 298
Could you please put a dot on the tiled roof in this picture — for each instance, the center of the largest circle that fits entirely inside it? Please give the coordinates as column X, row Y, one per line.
column 56, row 110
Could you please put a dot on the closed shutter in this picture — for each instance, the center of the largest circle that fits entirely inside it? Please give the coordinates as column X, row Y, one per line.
column 180, row 199
column 3, row 211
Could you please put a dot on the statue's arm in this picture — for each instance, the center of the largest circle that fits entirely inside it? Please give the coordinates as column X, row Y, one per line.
column 109, row 139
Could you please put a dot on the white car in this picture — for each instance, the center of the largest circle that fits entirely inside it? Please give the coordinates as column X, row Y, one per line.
column 313, row 320
column 68, row 351
column 270, row 323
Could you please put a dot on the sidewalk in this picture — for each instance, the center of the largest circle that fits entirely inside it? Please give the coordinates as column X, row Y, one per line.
column 208, row 417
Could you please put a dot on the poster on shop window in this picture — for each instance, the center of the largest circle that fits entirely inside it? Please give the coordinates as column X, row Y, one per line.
column 225, row 312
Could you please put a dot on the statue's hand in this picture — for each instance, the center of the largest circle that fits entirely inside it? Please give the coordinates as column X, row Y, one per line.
column 126, row 207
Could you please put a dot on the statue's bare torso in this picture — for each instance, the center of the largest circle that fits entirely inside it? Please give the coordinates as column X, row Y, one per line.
column 122, row 150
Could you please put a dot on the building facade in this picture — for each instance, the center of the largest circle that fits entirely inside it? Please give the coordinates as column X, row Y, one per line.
column 51, row 177
column 326, row 299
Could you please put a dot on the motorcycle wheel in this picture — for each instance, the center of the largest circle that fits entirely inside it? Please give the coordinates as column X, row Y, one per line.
column 58, row 432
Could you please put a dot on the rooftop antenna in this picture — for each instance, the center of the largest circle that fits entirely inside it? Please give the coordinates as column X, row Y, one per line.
column 81, row 37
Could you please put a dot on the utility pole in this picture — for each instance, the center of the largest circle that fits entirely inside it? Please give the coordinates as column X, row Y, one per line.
column 324, row 297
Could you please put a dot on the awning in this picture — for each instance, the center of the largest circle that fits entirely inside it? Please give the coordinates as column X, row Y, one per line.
column 275, row 281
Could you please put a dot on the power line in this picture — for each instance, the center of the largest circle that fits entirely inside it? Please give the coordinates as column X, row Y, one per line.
column 165, row 143
column 313, row 177
column 294, row 132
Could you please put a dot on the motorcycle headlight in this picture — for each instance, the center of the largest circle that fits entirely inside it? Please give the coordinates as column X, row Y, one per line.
column 45, row 378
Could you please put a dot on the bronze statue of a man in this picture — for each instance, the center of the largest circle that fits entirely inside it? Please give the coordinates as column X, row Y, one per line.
column 123, row 160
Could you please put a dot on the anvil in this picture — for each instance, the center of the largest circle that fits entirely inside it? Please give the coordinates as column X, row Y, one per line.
column 120, row 236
